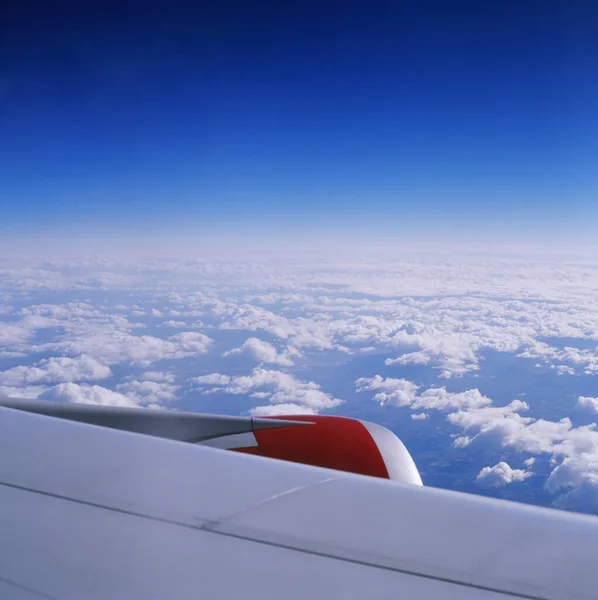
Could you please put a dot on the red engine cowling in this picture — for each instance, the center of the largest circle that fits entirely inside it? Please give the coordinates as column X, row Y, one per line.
column 338, row 443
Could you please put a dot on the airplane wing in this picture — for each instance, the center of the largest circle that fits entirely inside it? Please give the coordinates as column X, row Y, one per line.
column 334, row 442
column 88, row 512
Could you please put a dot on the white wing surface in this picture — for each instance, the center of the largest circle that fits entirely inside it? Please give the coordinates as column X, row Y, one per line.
column 88, row 513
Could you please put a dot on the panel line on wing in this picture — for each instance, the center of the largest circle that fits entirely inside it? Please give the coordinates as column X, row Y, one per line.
column 269, row 541
column 223, row 520
column 25, row 588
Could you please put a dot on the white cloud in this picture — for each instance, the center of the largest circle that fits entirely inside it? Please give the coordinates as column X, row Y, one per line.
column 411, row 358
column 12, row 354
column 506, row 427
column 577, row 475
column 276, row 386
column 588, row 403
column 11, row 334
column 440, row 399
column 158, row 376
column 57, row 369
column 503, row 423
column 452, row 353
column 192, row 342
column 253, row 318
column 112, row 343
column 212, row 379
column 132, row 393
column 15, row 336
column 582, row 498
column 585, row 359
column 148, row 392
column 262, row 352
column 396, row 392
column 500, row 474
column 419, row 416
column 462, row 307
column 175, row 324
column 87, row 394
column 31, row 392
column 573, row 451
column 401, row 392
column 563, row 369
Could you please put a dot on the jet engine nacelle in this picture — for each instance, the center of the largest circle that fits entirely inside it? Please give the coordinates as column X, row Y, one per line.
column 337, row 443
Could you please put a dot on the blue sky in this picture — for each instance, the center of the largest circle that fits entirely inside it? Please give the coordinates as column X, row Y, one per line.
column 250, row 115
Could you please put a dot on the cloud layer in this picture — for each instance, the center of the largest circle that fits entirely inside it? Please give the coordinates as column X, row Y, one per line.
column 273, row 332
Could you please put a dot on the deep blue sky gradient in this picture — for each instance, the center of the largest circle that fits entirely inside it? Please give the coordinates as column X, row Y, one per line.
column 204, row 114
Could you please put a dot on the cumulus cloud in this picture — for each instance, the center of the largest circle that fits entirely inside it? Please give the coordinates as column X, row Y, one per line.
column 395, row 392
column 582, row 498
column 216, row 379
column 573, row 450
column 57, row 369
column 278, row 387
column 451, row 353
column 262, row 352
column 158, row 376
column 113, row 344
column 12, row 334
column 175, row 324
column 585, row 360
column 440, row 399
column 31, row 392
column 503, row 423
column 505, row 426
column 84, row 329
column 475, row 308
column 15, row 336
column 192, row 342
column 87, row 394
column 419, row 416
column 253, row 318
column 588, row 403
column 401, row 392
column 500, row 474
column 148, row 392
